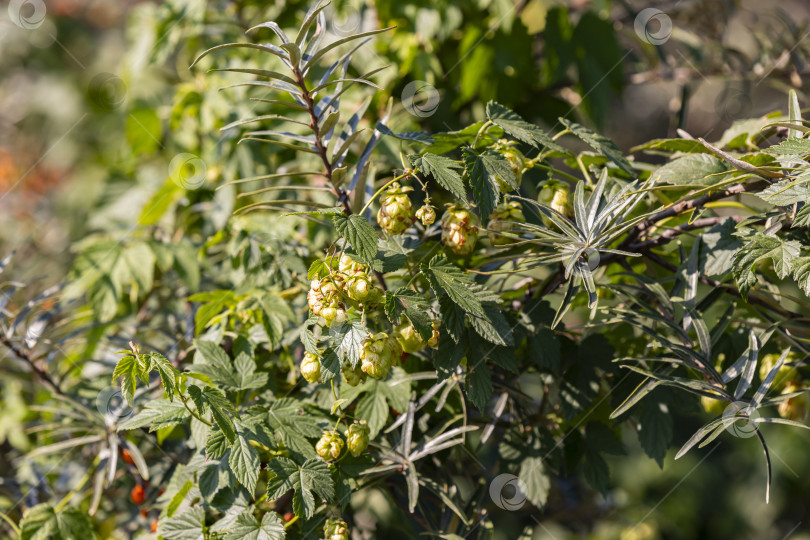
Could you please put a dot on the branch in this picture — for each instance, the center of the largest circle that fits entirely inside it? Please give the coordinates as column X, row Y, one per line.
column 670, row 234
column 25, row 357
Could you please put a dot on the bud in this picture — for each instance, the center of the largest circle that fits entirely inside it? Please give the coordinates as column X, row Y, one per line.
column 503, row 219
column 378, row 353
column 353, row 375
column 335, row 529
column 357, row 437
column 324, row 300
column 330, row 445
column 347, row 265
column 311, row 367
column 785, row 373
column 396, row 211
column 556, row 195
column 408, row 338
column 426, row 214
column 459, row 229
column 361, row 288
column 516, row 163
column 794, row 408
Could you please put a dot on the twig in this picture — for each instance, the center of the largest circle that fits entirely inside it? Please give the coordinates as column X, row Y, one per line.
column 38, row 371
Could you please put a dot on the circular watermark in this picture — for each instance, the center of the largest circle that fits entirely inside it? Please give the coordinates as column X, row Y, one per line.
column 27, row 14
column 187, row 171
column 739, row 419
column 420, row 98
column 346, row 23
column 106, row 92
column 508, row 492
column 733, row 103
column 111, row 404
column 653, row 26
column 593, row 258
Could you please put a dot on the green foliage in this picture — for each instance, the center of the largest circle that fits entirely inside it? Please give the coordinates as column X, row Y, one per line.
column 621, row 296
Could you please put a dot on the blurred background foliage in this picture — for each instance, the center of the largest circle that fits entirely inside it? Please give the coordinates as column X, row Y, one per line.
column 97, row 101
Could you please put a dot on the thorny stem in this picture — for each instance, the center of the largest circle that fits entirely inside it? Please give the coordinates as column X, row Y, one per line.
column 38, row 371
column 343, row 197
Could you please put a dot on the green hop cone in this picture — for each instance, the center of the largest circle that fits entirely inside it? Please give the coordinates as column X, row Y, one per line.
column 794, row 408
column 378, row 353
column 785, row 373
column 361, row 288
column 426, row 214
column 557, row 195
column 503, row 219
column 353, row 375
column 396, row 211
column 516, row 162
column 330, row 445
column 357, row 437
column 324, row 300
column 347, row 265
column 335, row 529
column 459, row 229
column 409, row 339
column 311, row 367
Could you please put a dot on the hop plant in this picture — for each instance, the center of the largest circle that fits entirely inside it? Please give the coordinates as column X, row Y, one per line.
column 347, row 265
column 361, row 288
column 353, row 375
column 557, row 195
column 378, row 353
column 784, row 375
column 459, row 229
column 410, row 340
column 335, row 529
column 503, row 219
column 426, row 214
column 396, row 211
column 324, row 300
column 330, row 445
column 516, row 162
column 357, row 437
column 311, row 367
column 794, row 408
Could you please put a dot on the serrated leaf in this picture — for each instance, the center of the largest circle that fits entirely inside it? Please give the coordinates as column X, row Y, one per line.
column 158, row 414
column 720, row 246
column 790, row 147
column 448, row 280
column 311, row 477
column 787, row 192
column 479, row 382
column 692, row 169
column 781, row 252
column 42, row 522
column 244, row 460
column 535, row 481
column 520, row 129
column 347, row 340
column 801, row 273
column 601, row 144
column 129, row 369
column 222, row 411
column 359, row 233
column 248, row 527
column 410, row 304
column 443, row 170
column 482, row 170
column 185, row 526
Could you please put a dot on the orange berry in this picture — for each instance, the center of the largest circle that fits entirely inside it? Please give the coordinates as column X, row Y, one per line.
column 154, row 525
column 127, row 457
column 137, row 495
column 288, row 517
